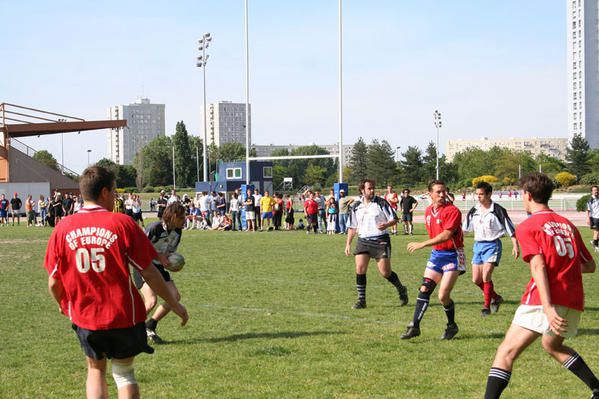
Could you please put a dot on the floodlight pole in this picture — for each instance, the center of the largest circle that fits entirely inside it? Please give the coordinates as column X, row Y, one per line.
column 174, row 181
column 203, row 43
column 438, row 124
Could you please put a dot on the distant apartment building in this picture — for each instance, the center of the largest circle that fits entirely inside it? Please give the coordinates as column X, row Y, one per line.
column 555, row 147
column 583, row 69
column 226, row 123
column 145, row 122
column 333, row 149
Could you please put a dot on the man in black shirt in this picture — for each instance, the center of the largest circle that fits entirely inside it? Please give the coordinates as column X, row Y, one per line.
column 15, row 204
column 161, row 203
column 407, row 205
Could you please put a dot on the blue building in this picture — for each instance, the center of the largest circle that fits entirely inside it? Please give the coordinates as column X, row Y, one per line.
column 231, row 175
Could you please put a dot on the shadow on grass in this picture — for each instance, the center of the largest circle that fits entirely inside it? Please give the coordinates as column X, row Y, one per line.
column 588, row 331
column 263, row 335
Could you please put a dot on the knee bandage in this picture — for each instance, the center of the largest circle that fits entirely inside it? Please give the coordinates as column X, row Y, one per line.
column 429, row 286
column 123, row 374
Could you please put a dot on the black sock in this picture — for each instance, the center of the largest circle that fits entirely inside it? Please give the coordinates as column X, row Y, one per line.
column 394, row 279
column 151, row 324
column 496, row 382
column 421, row 306
column 361, row 287
column 595, row 243
column 450, row 313
column 576, row 365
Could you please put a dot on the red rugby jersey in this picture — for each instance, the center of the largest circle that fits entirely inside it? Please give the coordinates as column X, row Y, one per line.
column 90, row 253
column 447, row 217
column 555, row 237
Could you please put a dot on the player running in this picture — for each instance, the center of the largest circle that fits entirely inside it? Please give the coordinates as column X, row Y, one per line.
column 369, row 218
column 88, row 259
column 593, row 216
column 554, row 298
column 489, row 221
column 444, row 225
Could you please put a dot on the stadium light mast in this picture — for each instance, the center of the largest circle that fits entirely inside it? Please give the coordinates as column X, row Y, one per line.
column 88, row 152
column 438, row 125
column 203, row 44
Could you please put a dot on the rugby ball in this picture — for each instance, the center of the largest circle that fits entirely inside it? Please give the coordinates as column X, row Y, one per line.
column 177, row 261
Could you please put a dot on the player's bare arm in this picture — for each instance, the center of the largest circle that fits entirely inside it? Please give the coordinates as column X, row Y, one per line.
column 156, row 282
column 589, row 267
column 538, row 270
column 384, row 226
column 444, row 236
column 515, row 248
column 56, row 289
column 350, row 236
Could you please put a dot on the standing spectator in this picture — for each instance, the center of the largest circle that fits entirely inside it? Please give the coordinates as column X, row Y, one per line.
column 369, row 218
column 105, row 310
column 277, row 211
column 250, row 210
column 42, row 207
column 344, row 203
column 58, row 209
column 119, row 204
column 554, row 298
column 443, row 222
column 234, row 211
column 489, row 221
column 407, row 204
column 67, row 204
column 78, row 203
column 30, row 211
column 161, row 204
column 266, row 206
column 331, row 216
column 129, row 205
column 205, row 206
column 289, row 213
column 257, row 199
column 393, row 200
column 152, row 205
column 221, row 204
column 593, row 216
column 136, row 209
column 173, row 197
column 15, row 205
column 311, row 212
column 4, row 206
column 322, row 215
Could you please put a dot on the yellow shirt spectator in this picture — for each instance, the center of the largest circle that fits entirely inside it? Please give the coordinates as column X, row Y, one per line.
column 266, row 204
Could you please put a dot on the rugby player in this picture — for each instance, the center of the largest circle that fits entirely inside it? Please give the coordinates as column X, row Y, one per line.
column 593, row 216
column 369, row 217
column 489, row 221
column 88, row 259
column 443, row 222
column 554, row 297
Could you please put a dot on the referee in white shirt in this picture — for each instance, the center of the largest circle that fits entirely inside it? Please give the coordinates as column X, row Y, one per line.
column 370, row 217
column 489, row 221
column 593, row 216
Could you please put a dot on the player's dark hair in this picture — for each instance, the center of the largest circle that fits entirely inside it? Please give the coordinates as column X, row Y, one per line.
column 93, row 180
column 172, row 212
column 539, row 185
column 485, row 186
column 594, row 186
column 406, row 190
column 434, row 183
column 363, row 184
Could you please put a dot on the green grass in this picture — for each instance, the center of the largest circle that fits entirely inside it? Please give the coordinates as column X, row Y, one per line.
column 271, row 317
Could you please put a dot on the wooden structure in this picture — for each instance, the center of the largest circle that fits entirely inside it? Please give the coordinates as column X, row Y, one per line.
column 19, row 121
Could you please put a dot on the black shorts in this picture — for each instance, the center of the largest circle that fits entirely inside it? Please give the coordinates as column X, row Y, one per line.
column 312, row 219
column 594, row 224
column 137, row 216
column 377, row 248
column 407, row 217
column 117, row 343
column 139, row 280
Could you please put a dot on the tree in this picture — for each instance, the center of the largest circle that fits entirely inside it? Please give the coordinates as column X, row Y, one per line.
column 565, row 179
column 429, row 160
column 184, row 165
column 46, row 158
column 125, row 174
column 315, row 175
column 279, row 168
column 472, row 162
column 231, row 152
column 157, row 161
column 578, row 156
column 358, row 162
column 411, row 166
column 197, row 156
column 549, row 164
column 297, row 167
column 380, row 164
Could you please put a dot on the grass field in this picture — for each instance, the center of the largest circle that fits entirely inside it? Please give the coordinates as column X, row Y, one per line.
column 271, row 317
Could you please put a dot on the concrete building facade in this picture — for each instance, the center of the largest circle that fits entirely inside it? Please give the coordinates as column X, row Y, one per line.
column 583, row 69
column 226, row 123
column 555, row 147
column 145, row 122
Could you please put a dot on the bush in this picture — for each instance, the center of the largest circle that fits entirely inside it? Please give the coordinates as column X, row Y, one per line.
column 130, row 189
column 149, row 189
column 486, row 178
column 581, row 204
column 590, row 179
column 565, row 179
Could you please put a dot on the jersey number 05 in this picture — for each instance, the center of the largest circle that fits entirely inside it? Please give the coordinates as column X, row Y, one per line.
column 93, row 258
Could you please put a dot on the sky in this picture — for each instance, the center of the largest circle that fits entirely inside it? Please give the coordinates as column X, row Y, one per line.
column 492, row 68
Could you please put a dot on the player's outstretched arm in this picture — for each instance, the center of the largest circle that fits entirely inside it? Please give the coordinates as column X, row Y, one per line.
column 441, row 237
column 156, row 282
